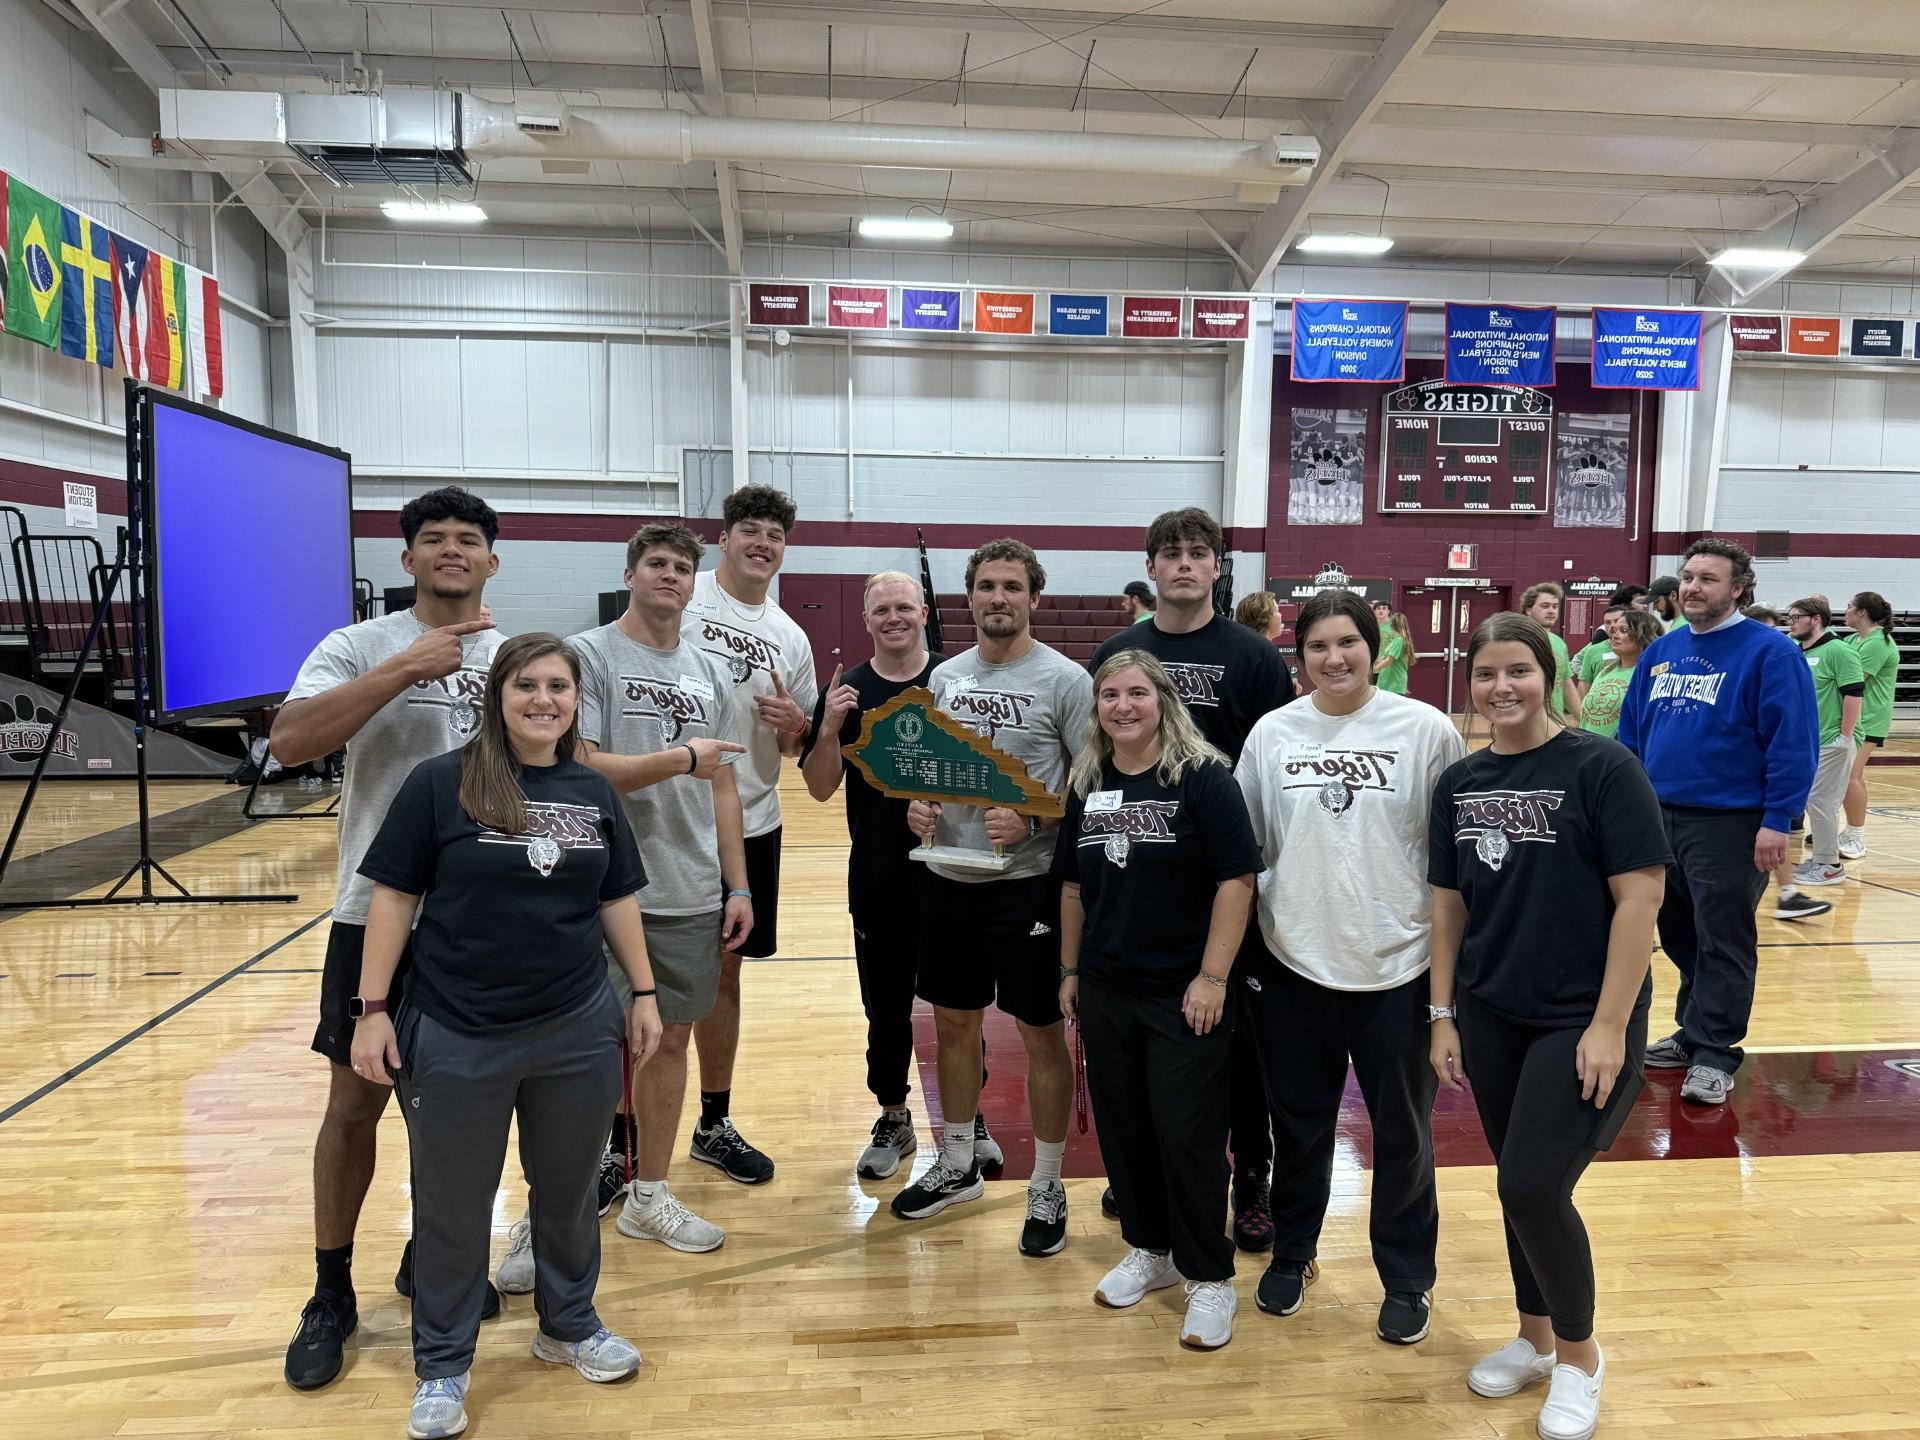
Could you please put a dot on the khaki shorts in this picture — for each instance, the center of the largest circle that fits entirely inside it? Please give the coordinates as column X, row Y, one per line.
column 685, row 953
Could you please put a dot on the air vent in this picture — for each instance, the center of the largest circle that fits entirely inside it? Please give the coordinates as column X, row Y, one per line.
column 566, row 167
column 1772, row 544
column 354, row 165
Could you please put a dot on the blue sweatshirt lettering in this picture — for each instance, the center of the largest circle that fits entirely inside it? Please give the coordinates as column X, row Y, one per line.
column 1725, row 721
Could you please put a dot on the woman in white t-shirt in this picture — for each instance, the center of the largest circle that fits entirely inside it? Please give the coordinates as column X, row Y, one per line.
column 1339, row 789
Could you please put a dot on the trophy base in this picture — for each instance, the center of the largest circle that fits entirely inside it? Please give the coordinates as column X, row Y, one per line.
column 958, row 858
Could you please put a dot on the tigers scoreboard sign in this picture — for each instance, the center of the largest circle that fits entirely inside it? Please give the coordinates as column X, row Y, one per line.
column 1466, row 449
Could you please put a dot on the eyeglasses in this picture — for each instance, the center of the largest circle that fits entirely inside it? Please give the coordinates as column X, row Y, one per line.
column 1798, row 615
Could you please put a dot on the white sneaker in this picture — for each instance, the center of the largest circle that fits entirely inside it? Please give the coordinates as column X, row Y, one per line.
column 1509, row 1370
column 515, row 1275
column 665, row 1219
column 987, row 1153
column 1135, row 1277
column 603, row 1357
column 1211, row 1306
column 1572, row 1410
column 1813, row 872
column 439, row 1408
column 1853, row 843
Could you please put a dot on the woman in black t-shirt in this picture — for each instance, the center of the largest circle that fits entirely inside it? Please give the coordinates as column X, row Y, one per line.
column 1548, row 865
column 519, row 862
column 1158, row 860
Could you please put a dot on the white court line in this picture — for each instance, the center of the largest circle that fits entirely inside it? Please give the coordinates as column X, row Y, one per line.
column 1865, row 1045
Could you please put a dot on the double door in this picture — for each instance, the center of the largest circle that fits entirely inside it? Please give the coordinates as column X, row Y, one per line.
column 1442, row 618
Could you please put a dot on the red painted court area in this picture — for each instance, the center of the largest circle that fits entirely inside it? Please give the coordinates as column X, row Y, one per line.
column 1810, row 1102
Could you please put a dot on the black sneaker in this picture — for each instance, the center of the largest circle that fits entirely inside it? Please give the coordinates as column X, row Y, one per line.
column 724, row 1148
column 1404, row 1318
column 1284, row 1287
column 1045, row 1232
column 613, row 1180
column 1252, row 1217
column 403, row 1282
column 314, row 1356
column 987, row 1153
column 1796, row 906
column 1109, row 1206
column 941, row 1186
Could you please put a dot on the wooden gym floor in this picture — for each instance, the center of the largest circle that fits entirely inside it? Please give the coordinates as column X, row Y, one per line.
column 158, row 1104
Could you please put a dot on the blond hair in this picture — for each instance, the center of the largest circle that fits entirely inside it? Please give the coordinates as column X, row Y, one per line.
column 891, row 577
column 1256, row 611
column 1181, row 743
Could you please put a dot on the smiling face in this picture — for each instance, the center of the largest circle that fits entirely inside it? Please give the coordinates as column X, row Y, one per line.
column 1001, row 599
column 896, row 617
column 662, row 581
column 450, row 559
column 537, row 702
column 1183, row 571
column 1508, row 685
column 1336, row 657
column 1128, row 707
column 754, row 549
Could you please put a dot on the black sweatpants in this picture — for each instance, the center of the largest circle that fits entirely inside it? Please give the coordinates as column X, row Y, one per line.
column 886, row 945
column 1249, row 1115
column 1159, row 1095
column 1543, row 1136
column 1707, row 928
column 1306, row 1034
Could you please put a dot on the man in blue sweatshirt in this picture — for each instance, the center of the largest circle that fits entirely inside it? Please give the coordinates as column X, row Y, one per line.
column 1721, row 712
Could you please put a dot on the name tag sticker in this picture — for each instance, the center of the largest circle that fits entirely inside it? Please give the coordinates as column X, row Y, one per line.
column 694, row 685
column 1661, row 668
column 1307, row 753
column 958, row 685
column 1101, row 800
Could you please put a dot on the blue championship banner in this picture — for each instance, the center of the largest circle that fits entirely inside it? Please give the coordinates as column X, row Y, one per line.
column 1500, row 345
column 929, row 309
column 1646, row 349
column 1351, row 340
column 1077, row 315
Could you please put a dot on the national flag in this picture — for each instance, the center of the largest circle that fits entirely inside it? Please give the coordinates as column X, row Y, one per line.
column 166, row 333
column 130, row 314
column 86, row 307
column 35, row 273
column 4, row 266
column 202, row 304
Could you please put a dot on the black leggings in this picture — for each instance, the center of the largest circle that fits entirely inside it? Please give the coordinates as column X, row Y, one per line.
column 1544, row 1136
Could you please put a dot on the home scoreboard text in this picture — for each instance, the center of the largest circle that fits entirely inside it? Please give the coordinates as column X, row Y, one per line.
column 1467, row 449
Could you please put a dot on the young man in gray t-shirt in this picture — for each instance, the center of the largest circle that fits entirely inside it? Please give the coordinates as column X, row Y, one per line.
column 395, row 691
column 662, row 724
column 993, row 937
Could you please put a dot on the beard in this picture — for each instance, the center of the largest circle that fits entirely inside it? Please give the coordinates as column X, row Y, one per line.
column 1000, row 626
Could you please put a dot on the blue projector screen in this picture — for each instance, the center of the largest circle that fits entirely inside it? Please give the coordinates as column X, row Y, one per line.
column 252, row 558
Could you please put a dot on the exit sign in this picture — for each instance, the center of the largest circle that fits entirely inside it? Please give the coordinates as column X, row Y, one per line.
column 1462, row 557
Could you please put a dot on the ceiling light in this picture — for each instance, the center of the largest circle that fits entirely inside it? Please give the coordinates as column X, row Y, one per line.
column 463, row 212
column 1744, row 258
column 1344, row 244
column 883, row 228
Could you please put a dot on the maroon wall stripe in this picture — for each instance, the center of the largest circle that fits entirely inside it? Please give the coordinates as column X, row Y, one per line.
column 24, row 484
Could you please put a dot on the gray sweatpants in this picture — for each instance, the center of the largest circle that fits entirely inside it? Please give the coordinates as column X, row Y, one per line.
column 1827, row 799
column 458, row 1091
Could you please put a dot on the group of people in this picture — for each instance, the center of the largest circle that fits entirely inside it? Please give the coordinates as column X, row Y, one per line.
column 553, row 855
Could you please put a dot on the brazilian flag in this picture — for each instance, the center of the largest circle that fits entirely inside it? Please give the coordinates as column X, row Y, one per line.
column 35, row 274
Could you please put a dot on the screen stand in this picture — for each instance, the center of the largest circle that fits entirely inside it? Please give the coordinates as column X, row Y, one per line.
column 129, row 558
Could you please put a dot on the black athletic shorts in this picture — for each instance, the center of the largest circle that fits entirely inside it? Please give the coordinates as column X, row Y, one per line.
column 995, row 942
column 763, row 879
column 340, row 982
column 1879, row 740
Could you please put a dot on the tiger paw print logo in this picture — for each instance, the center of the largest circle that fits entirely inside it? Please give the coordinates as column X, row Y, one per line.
column 23, row 732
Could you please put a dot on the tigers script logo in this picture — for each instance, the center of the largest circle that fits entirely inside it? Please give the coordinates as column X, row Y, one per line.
column 1195, row 683
column 990, row 711
column 743, row 652
column 1116, row 831
column 665, row 702
column 571, row 827
column 1494, row 821
column 1356, row 769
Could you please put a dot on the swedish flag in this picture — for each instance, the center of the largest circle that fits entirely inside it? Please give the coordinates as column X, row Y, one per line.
column 86, row 311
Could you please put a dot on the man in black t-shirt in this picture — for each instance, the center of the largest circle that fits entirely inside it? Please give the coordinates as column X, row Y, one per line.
column 1228, row 678
column 883, row 885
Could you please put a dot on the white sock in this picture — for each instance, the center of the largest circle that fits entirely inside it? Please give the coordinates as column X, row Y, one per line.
column 644, row 1191
column 956, row 1145
column 1788, row 891
column 1047, row 1155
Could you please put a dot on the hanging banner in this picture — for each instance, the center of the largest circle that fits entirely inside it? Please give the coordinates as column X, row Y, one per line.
column 1813, row 335
column 1077, row 315
column 790, row 305
column 1756, row 334
column 1500, row 345
column 1152, row 317
column 1646, row 349
column 1327, row 466
column 857, row 307
column 1364, row 340
column 1003, row 312
column 1879, row 339
column 1222, row 319
column 929, row 309
column 1590, row 474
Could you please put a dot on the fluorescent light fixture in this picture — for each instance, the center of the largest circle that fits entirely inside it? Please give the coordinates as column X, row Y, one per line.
column 886, row 228
column 463, row 212
column 1344, row 244
column 1751, row 259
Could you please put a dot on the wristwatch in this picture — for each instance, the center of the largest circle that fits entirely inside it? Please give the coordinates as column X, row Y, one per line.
column 359, row 1009
column 1439, row 1012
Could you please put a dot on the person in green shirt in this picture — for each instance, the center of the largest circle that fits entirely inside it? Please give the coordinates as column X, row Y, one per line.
column 1839, row 683
column 1396, row 649
column 1542, row 602
column 1597, row 656
column 1870, row 618
column 1631, row 632
column 1136, row 602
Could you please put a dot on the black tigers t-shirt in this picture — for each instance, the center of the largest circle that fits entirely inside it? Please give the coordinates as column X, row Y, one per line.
column 509, row 927
column 1148, row 858
column 1227, row 675
column 880, row 877
column 1530, row 841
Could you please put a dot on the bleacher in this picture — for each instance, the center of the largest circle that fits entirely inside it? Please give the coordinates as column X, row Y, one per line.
column 1072, row 624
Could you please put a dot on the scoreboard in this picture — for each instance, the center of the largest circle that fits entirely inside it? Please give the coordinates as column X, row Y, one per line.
column 1466, row 449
